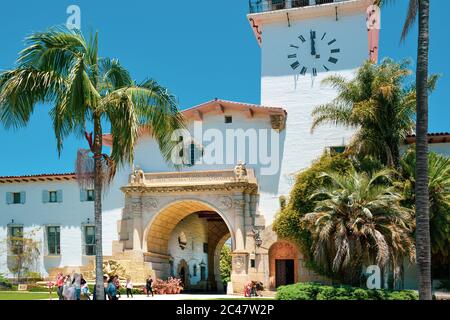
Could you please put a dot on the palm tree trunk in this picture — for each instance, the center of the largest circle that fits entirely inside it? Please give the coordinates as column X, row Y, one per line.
column 422, row 194
column 98, row 144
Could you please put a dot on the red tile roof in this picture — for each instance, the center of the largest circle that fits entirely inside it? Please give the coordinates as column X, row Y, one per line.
column 39, row 178
column 438, row 137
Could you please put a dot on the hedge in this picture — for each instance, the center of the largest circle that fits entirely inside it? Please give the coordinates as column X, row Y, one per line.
column 312, row 291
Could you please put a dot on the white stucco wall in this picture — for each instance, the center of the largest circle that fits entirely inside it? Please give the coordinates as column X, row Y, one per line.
column 34, row 215
column 299, row 95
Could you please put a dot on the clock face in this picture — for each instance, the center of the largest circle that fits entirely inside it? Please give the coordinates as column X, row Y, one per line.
column 313, row 52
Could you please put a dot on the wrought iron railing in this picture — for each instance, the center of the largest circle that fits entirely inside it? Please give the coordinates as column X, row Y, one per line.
column 257, row 6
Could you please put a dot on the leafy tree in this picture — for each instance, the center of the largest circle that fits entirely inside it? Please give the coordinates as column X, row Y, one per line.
column 23, row 252
column 225, row 263
column 360, row 221
column 420, row 10
column 62, row 68
column 439, row 186
column 288, row 222
column 378, row 104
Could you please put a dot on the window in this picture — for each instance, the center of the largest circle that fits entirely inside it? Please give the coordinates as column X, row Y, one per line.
column 228, row 119
column 192, row 154
column 195, row 270
column 336, row 149
column 90, row 195
column 15, row 197
column 16, row 240
column 89, row 240
column 53, row 240
column 202, row 273
column 252, row 263
column 87, row 195
column 52, row 195
column 205, row 248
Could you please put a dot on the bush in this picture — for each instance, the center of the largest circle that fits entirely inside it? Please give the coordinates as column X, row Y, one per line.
column 5, row 283
column 312, row 291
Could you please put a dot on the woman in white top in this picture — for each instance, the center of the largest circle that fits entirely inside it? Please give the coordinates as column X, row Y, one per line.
column 129, row 287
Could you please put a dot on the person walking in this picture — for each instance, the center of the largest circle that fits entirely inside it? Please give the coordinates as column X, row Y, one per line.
column 60, row 285
column 84, row 289
column 149, row 286
column 76, row 283
column 129, row 287
column 111, row 290
column 68, row 290
column 117, row 284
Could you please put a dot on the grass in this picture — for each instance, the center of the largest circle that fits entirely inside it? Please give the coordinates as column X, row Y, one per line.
column 18, row 295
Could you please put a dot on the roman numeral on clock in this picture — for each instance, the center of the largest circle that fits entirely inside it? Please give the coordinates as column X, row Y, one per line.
column 302, row 38
column 331, row 42
column 314, row 72
column 295, row 65
column 326, row 69
column 333, row 60
column 303, row 71
column 292, row 56
column 293, row 46
column 335, row 50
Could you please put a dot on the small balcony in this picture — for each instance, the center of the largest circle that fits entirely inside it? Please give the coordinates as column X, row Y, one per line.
column 258, row 6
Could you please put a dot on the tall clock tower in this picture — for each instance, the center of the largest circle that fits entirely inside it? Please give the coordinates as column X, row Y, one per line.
column 303, row 42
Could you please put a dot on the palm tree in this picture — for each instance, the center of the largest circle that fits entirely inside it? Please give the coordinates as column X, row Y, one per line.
column 421, row 9
column 439, row 186
column 375, row 103
column 360, row 221
column 62, row 68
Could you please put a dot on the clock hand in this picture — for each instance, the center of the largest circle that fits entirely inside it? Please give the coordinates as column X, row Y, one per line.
column 313, row 43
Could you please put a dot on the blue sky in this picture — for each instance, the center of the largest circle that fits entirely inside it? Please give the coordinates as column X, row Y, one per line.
column 199, row 49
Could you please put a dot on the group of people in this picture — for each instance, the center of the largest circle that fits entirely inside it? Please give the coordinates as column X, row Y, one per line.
column 72, row 287
column 253, row 289
column 75, row 287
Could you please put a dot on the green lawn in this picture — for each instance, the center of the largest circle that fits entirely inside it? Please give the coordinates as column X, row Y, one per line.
column 17, row 295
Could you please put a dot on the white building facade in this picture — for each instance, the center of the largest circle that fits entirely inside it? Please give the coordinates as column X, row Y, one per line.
column 164, row 222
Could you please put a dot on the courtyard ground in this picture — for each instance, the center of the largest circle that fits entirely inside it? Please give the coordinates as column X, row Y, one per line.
column 19, row 295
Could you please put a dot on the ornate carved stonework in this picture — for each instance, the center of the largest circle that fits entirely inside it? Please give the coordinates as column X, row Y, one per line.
column 150, row 203
column 278, row 122
column 137, row 177
column 226, row 202
column 239, row 262
column 239, row 203
column 240, row 171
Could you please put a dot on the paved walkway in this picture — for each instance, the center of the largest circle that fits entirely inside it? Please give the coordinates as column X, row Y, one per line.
column 186, row 297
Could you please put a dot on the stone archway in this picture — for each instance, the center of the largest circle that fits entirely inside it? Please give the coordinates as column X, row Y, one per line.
column 156, row 203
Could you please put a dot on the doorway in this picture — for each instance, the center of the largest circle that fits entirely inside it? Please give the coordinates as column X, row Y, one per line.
column 284, row 272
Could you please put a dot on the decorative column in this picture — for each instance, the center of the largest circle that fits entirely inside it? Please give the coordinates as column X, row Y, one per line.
column 239, row 222
column 240, row 256
column 136, row 213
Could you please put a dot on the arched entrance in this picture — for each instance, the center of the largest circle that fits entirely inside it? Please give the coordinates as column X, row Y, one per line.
column 183, row 240
column 183, row 274
column 171, row 216
column 283, row 264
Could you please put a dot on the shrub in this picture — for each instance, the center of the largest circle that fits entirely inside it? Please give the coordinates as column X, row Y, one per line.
column 311, row 291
